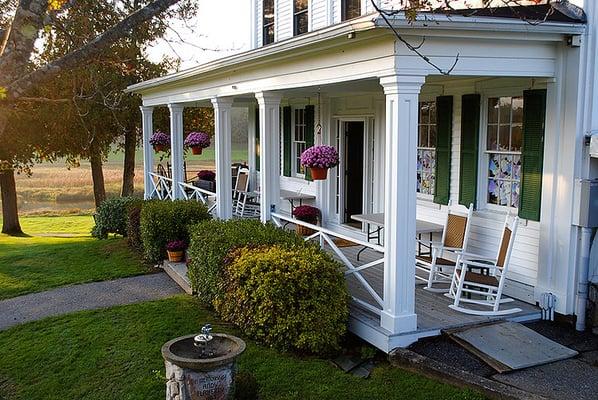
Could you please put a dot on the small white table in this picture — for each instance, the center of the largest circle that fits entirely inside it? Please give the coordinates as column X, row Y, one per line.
column 377, row 220
column 292, row 196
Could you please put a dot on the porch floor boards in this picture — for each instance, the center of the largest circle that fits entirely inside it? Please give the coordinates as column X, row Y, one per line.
column 433, row 313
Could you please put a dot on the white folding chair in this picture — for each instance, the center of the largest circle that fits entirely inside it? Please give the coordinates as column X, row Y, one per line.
column 436, row 267
column 245, row 203
column 483, row 278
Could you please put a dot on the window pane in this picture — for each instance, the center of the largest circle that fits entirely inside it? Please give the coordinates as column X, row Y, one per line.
column 505, row 110
column 493, row 165
column 424, row 113
column 300, row 5
column 493, row 111
column 268, row 11
column 516, row 172
column 423, row 136
column 493, row 187
column 432, row 136
column 515, row 194
column 351, row 9
column 516, row 137
column 492, row 142
column 269, row 34
column 517, row 109
column 432, row 106
column 503, row 137
column 301, row 23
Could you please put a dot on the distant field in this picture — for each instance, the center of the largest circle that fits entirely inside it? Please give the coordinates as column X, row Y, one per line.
column 55, row 189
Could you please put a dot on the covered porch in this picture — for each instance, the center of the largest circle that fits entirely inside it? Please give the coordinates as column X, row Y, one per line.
column 371, row 80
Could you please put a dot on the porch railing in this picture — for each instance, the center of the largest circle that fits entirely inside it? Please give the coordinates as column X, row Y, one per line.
column 325, row 237
column 204, row 196
column 161, row 187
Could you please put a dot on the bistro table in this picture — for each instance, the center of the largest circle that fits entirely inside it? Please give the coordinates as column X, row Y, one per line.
column 377, row 220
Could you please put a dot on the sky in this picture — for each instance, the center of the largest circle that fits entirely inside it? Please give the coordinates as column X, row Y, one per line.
column 221, row 28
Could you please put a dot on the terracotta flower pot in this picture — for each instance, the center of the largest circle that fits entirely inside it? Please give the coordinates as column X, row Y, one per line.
column 318, row 174
column 159, row 147
column 196, row 150
column 303, row 230
column 176, row 256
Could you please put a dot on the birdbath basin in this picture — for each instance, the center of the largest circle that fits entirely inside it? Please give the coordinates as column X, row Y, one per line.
column 201, row 373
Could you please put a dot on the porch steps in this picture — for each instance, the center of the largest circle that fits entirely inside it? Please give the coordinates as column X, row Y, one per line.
column 177, row 271
column 508, row 346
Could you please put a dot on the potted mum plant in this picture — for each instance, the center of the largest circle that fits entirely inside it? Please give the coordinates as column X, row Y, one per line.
column 197, row 141
column 307, row 214
column 160, row 141
column 206, row 180
column 176, row 250
column 319, row 159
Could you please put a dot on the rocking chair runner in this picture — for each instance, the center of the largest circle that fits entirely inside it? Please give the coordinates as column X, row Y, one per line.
column 436, row 267
column 469, row 277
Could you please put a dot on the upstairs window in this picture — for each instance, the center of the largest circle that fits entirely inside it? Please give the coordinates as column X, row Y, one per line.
column 299, row 140
column 426, row 148
column 300, row 17
column 350, row 9
column 268, row 22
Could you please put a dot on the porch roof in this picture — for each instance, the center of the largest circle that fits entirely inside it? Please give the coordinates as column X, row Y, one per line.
column 496, row 27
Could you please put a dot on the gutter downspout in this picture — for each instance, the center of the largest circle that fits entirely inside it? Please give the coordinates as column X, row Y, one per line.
column 582, row 279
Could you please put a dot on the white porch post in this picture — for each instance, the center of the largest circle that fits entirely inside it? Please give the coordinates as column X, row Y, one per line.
column 269, row 109
column 147, row 123
column 222, row 128
column 402, row 93
column 251, row 159
column 176, row 148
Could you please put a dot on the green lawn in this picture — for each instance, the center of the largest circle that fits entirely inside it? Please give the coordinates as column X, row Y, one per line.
column 39, row 261
column 115, row 354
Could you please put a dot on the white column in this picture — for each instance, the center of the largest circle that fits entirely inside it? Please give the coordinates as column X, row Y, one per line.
column 269, row 109
column 176, row 148
column 147, row 123
column 402, row 93
column 251, row 136
column 222, row 128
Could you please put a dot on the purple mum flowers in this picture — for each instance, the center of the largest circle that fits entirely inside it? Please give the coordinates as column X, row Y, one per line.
column 160, row 139
column 320, row 157
column 198, row 139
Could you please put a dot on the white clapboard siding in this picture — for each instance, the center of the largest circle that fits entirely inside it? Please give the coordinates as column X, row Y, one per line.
column 319, row 14
column 259, row 17
column 284, row 19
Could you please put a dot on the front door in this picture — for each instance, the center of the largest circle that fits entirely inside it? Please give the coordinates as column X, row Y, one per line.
column 353, row 161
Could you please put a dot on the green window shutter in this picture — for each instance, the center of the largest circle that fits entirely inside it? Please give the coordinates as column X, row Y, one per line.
column 532, row 154
column 257, row 139
column 444, row 133
column 286, row 141
column 470, row 136
column 309, row 132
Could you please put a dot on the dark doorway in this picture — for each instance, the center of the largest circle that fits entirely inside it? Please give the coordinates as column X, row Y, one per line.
column 354, row 149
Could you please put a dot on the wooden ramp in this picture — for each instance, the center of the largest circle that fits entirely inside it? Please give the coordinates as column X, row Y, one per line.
column 509, row 346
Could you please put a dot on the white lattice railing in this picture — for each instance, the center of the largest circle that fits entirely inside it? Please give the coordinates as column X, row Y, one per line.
column 325, row 239
column 204, row 196
column 161, row 187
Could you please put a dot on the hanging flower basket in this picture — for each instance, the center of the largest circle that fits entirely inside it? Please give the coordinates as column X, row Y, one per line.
column 160, row 141
column 319, row 159
column 176, row 250
column 197, row 141
column 307, row 214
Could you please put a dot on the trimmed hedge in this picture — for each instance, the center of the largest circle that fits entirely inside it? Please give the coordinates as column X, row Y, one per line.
column 111, row 217
column 163, row 221
column 288, row 298
column 211, row 242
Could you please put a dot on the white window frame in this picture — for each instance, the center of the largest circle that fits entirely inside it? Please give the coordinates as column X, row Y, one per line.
column 294, row 154
column 425, row 196
column 483, row 153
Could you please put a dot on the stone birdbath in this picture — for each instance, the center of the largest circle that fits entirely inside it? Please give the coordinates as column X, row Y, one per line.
column 201, row 367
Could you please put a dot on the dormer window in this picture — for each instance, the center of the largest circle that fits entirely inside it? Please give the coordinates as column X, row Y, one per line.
column 350, row 9
column 300, row 17
column 268, row 22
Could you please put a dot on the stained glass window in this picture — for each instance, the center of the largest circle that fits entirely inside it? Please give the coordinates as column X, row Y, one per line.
column 299, row 145
column 426, row 148
column 503, row 149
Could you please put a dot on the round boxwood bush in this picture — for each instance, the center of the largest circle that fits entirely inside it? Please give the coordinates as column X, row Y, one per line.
column 211, row 241
column 164, row 221
column 288, row 298
column 111, row 217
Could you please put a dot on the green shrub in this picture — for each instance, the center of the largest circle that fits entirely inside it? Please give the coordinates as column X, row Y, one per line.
column 163, row 221
column 134, row 225
column 211, row 241
column 111, row 217
column 288, row 298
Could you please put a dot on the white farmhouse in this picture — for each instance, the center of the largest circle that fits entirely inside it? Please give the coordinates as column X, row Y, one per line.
column 508, row 131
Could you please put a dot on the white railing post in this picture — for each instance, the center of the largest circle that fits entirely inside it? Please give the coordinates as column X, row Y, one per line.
column 147, row 123
column 222, row 127
column 269, row 115
column 176, row 149
column 402, row 96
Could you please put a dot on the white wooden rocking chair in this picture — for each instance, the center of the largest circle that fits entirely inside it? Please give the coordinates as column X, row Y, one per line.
column 245, row 203
column 487, row 288
column 436, row 267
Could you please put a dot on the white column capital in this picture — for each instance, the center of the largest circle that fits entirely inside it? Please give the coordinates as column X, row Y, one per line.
column 268, row 98
column 222, row 102
column 175, row 107
column 402, row 84
column 146, row 110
